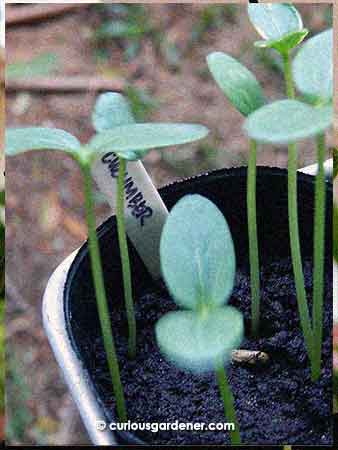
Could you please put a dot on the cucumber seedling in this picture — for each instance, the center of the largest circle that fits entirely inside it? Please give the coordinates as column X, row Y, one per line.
column 198, row 267
column 281, row 27
column 112, row 109
column 120, row 139
column 245, row 93
column 289, row 121
column 285, row 122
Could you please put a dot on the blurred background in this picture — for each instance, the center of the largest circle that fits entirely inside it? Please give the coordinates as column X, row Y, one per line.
column 59, row 57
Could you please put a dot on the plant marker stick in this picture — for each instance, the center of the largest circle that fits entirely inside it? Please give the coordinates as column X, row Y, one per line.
column 145, row 212
column 294, row 227
column 140, row 213
column 228, row 402
column 313, row 169
column 101, row 297
column 318, row 258
column 122, row 237
column 253, row 240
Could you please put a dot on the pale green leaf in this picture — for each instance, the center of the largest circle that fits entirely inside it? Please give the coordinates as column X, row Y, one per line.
column 237, row 82
column 287, row 121
column 285, row 43
column 113, row 109
column 274, row 20
column 313, row 66
column 200, row 342
column 146, row 136
column 197, row 254
column 20, row 140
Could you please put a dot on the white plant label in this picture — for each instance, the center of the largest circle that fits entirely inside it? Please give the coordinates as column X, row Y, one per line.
column 312, row 170
column 145, row 212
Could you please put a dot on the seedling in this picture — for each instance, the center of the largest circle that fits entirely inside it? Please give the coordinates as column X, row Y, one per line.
column 111, row 110
column 244, row 92
column 198, row 266
column 288, row 121
column 120, row 140
column 285, row 122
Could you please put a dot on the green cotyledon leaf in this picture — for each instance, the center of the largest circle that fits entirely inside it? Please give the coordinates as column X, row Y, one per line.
column 142, row 136
column 237, row 82
column 279, row 24
column 285, row 43
column 112, row 109
column 20, row 140
column 197, row 254
column 199, row 342
column 274, row 20
column 313, row 66
column 287, row 121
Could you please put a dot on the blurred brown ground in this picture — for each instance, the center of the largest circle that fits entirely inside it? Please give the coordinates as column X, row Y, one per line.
column 44, row 190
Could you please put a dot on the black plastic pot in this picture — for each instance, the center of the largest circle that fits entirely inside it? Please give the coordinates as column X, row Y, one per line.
column 227, row 189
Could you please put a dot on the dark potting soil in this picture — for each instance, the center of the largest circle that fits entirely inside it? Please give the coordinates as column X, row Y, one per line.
column 276, row 402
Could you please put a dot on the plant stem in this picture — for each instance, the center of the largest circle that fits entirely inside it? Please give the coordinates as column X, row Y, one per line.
column 121, row 231
column 287, row 447
column 318, row 259
column 296, row 253
column 228, row 402
column 294, row 228
column 253, row 240
column 290, row 89
column 101, row 297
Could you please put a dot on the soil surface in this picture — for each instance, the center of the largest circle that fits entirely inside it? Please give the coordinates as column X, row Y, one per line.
column 275, row 402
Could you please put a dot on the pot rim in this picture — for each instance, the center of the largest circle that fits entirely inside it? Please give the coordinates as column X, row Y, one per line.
column 74, row 373
column 54, row 323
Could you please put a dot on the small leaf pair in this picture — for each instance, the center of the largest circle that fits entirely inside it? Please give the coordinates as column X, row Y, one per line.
column 119, row 140
column 312, row 71
column 198, row 266
column 112, row 112
column 288, row 121
column 117, row 133
column 243, row 90
column 280, row 25
column 282, row 121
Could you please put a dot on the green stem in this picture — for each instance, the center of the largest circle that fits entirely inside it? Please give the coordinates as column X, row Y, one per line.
column 287, row 447
column 253, row 240
column 318, row 259
column 228, row 402
column 294, row 228
column 121, row 231
column 290, row 89
column 101, row 298
column 296, row 253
